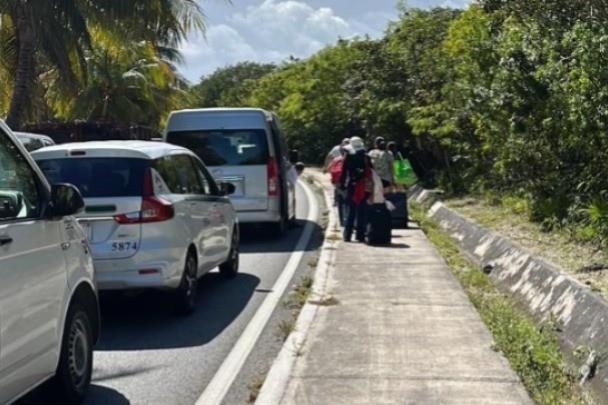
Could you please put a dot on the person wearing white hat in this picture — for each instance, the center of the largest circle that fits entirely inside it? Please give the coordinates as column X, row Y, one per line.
column 355, row 180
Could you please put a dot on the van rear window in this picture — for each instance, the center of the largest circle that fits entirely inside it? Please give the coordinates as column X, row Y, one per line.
column 98, row 177
column 225, row 147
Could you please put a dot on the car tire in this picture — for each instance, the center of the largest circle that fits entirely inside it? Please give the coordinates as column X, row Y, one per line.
column 73, row 376
column 230, row 268
column 185, row 296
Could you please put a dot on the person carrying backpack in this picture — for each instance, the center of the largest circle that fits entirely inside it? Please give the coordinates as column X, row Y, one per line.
column 355, row 181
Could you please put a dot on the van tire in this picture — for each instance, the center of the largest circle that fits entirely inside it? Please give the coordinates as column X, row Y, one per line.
column 278, row 229
column 230, row 268
column 185, row 295
column 73, row 377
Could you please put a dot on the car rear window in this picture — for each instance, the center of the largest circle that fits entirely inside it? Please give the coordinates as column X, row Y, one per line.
column 225, row 147
column 98, row 177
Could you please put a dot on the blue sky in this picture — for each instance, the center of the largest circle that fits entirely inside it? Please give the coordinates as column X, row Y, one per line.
column 272, row 30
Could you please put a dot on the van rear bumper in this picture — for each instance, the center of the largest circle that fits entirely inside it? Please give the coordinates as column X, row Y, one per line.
column 270, row 214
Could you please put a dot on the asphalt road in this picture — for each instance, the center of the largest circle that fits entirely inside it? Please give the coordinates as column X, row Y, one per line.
column 149, row 355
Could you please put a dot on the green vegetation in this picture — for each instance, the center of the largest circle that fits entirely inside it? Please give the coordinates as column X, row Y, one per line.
column 92, row 59
column 503, row 98
column 532, row 351
column 506, row 97
column 298, row 297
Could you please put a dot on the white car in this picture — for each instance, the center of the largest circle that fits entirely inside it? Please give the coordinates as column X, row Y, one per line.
column 154, row 215
column 49, row 316
column 34, row 142
column 246, row 147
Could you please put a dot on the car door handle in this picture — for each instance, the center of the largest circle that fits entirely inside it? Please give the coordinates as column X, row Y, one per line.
column 65, row 245
column 5, row 240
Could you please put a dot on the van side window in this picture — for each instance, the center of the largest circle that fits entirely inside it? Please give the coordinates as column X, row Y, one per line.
column 19, row 194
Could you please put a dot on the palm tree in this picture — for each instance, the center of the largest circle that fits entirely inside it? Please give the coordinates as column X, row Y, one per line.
column 133, row 84
column 57, row 33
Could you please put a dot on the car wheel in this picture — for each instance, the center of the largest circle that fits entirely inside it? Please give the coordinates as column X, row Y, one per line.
column 230, row 268
column 76, row 362
column 185, row 296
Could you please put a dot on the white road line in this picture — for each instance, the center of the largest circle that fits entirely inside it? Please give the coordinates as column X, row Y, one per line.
column 222, row 380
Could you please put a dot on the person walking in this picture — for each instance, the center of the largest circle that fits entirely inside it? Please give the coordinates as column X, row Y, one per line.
column 382, row 161
column 335, row 152
column 355, row 181
column 335, row 168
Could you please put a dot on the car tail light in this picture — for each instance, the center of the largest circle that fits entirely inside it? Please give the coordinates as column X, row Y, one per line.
column 153, row 208
column 273, row 177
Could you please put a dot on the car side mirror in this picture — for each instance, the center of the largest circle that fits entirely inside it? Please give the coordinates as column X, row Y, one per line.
column 227, row 188
column 11, row 204
column 65, row 200
column 294, row 155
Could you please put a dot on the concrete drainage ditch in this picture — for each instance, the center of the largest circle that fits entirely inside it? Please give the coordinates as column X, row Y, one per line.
column 547, row 291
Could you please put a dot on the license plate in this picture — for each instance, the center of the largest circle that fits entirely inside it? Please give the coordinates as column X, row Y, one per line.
column 124, row 246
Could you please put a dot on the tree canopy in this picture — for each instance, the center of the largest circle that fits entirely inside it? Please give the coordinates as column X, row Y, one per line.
column 506, row 97
column 53, row 45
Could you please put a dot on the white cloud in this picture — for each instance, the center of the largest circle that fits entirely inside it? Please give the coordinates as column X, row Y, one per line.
column 273, row 30
column 269, row 32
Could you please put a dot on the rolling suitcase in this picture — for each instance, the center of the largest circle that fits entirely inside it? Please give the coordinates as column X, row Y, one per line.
column 379, row 227
column 400, row 214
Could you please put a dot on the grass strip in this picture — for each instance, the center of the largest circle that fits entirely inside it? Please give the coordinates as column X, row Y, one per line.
column 532, row 350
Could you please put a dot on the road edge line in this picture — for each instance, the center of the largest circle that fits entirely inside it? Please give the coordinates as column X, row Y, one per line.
column 224, row 377
column 277, row 380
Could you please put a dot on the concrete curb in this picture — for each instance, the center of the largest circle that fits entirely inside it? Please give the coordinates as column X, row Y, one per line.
column 546, row 290
column 277, row 379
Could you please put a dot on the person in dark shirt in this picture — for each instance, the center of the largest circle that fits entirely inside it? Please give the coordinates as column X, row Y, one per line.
column 355, row 182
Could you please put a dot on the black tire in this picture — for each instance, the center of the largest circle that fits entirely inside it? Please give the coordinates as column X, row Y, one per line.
column 185, row 295
column 73, row 377
column 230, row 268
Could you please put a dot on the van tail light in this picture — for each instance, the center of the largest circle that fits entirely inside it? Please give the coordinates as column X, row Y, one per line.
column 153, row 208
column 273, row 177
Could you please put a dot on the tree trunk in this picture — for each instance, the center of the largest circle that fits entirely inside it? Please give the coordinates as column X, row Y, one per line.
column 25, row 68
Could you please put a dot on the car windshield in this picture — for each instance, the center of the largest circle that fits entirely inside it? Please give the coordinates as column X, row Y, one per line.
column 225, row 147
column 98, row 177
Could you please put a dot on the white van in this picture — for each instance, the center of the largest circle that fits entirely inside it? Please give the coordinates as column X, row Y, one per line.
column 245, row 147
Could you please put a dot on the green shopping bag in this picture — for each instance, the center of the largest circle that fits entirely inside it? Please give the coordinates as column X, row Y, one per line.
column 404, row 174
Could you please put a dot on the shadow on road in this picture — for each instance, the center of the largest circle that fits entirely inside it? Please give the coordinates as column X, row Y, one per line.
column 260, row 239
column 101, row 395
column 148, row 320
column 104, row 395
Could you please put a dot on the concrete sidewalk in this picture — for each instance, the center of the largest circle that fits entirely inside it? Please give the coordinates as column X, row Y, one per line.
column 403, row 332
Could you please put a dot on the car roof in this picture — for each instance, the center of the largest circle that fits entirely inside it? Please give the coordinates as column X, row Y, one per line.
column 118, row 149
column 225, row 110
column 28, row 135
